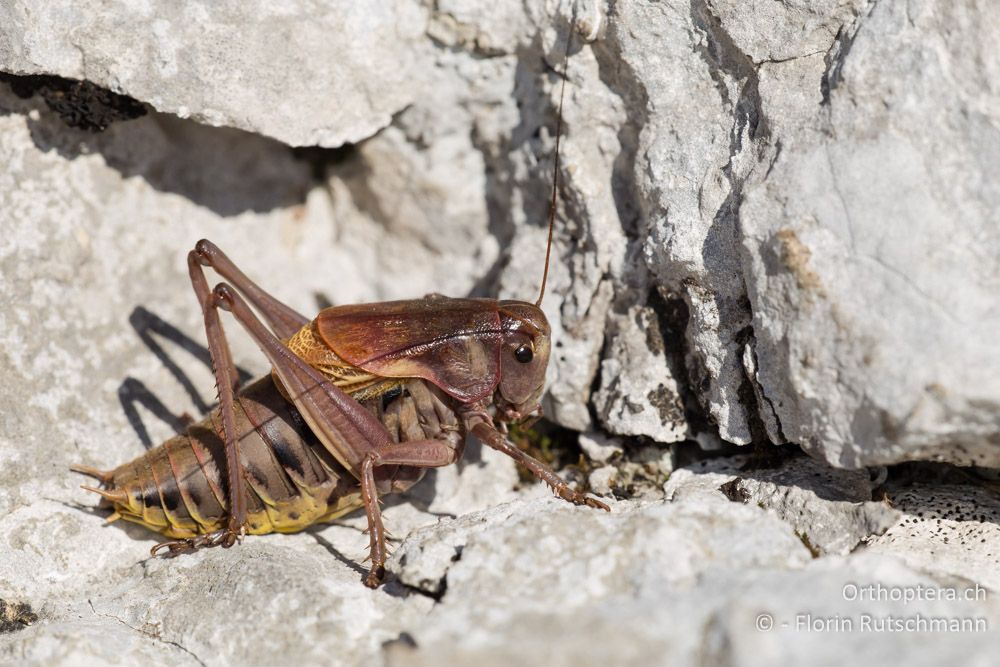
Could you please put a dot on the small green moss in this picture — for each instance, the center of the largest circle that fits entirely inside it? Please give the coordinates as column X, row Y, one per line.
column 556, row 447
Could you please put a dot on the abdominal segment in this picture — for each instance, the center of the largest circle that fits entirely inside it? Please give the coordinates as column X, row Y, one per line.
column 179, row 488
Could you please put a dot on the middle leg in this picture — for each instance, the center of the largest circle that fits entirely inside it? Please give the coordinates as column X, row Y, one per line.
column 416, row 453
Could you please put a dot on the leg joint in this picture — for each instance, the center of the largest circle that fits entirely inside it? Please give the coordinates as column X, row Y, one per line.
column 205, row 251
column 223, row 295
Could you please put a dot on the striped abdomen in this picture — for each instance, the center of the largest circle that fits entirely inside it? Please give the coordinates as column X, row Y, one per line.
column 179, row 488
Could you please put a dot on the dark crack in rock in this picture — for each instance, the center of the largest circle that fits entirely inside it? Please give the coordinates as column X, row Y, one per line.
column 79, row 104
column 15, row 616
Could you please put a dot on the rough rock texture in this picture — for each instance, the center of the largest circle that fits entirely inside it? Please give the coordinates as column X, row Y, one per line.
column 831, row 511
column 298, row 72
column 744, row 188
column 703, row 289
column 777, row 224
column 871, row 244
column 948, row 529
column 717, row 583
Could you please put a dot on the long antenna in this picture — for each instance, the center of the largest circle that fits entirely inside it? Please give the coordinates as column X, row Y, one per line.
column 555, row 166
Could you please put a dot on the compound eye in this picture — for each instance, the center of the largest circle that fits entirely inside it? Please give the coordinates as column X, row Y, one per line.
column 524, row 354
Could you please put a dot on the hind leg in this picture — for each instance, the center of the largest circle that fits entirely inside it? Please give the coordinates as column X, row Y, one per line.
column 284, row 321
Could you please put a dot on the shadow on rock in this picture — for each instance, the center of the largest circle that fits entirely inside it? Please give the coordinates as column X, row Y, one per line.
column 227, row 170
column 949, row 520
column 150, row 328
column 934, row 516
column 794, row 470
column 830, row 510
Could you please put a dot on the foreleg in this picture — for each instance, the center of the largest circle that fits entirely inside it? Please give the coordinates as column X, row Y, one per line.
column 489, row 435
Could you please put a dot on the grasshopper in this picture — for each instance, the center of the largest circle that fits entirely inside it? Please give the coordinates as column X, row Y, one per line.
column 360, row 402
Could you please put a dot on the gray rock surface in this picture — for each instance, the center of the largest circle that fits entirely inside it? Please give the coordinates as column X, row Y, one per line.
column 948, row 529
column 728, row 584
column 294, row 72
column 831, row 511
column 871, row 247
column 742, row 189
column 697, row 577
column 776, row 224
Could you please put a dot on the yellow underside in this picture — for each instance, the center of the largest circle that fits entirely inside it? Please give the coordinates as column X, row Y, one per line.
column 285, row 517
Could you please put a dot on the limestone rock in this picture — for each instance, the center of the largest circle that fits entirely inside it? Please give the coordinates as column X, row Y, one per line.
column 947, row 529
column 870, row 244
column 700, row 580
column 302, row 76
column 831, row 510
column 775, row 223
column 723, row 180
